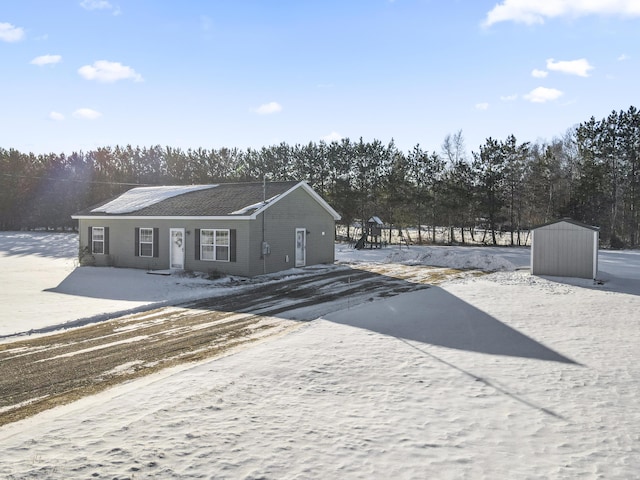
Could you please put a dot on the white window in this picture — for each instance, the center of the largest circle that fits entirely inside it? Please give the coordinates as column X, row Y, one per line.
column 214, row 245
column 97, row 240
column 146, row 242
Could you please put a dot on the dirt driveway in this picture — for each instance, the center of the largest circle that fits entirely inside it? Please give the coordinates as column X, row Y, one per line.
column 39, row 373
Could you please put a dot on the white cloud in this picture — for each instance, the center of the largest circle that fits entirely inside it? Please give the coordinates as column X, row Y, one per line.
column 9, row 33
column 332, row 137
column 269, row 108
column 537, row 11
column 543, row 94
column 509, row 98
column 46, row 60
column 57, row 116
column 579, row 67
column 623, row 57
column 100, row 5
column 108, row 72
column 86, row 114
column 482, row 106
column 95, row 4
column 539, row 73
column 206, row 24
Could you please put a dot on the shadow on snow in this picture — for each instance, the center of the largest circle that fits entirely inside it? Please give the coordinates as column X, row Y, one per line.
column 437, row 317
column 343, row 295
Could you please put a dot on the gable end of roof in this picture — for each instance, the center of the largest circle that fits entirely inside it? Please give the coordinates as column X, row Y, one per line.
column 304, row 185
column 572, row 222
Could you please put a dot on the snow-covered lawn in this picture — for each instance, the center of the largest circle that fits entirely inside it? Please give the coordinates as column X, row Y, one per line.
column 500, row 376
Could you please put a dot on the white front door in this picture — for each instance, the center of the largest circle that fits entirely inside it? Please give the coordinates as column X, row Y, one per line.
column 301, row 247
column 176, row 252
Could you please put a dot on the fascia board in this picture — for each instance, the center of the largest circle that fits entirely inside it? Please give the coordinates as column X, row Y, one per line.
column 158, row 217
column 336, row 216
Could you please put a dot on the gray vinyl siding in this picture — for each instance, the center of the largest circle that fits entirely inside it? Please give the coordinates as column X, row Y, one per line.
column 122, row 244
column 296, row 210
column 565, row 250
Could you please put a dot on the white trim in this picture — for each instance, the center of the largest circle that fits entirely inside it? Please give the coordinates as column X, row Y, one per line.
column 531, row 259
column 93, row 242
column 171, row 259
column 215, row 245
column 595, row 254
column 336, row 216
column 226, row 218
column 140, row 242
column 303, row 263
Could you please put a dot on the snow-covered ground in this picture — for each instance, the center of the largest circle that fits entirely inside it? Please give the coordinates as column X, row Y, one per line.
column 500, row 376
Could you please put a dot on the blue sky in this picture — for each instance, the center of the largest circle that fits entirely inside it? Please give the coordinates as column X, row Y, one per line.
column 79, row 74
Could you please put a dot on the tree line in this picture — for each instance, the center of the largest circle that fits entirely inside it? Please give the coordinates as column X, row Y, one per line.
column 591, row 174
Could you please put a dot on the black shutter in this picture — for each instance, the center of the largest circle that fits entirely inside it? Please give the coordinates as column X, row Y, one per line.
column 197, row 241
column 137, row 242
column 156, row 240
column 232, row 245
column 106, row 240
column 90, row 240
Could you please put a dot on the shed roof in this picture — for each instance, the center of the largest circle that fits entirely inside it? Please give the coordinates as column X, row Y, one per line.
column 239, row 200
column 572, row 222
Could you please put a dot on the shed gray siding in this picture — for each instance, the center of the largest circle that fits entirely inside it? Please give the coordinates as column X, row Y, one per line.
column 564, row 249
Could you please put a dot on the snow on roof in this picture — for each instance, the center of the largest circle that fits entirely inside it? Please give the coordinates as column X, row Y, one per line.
column 141, row 197
column 251, row 208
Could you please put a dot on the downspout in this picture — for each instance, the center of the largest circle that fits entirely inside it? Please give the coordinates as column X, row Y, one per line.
column 264, row 240
column 532, row 250
column 596, row 243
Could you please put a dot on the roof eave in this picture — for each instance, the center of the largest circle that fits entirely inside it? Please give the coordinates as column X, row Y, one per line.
column 571, row 221
column 162, row 217
column 336, row 216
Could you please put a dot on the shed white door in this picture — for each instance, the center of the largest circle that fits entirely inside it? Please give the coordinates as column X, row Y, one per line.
column 176, row 252
column 301, row 247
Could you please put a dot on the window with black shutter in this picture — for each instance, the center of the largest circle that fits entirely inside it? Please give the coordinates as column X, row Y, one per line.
column 99, row 240
column 146, row 242
column 215, row 244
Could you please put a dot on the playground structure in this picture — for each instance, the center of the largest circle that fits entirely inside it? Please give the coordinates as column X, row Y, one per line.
column 371, row 234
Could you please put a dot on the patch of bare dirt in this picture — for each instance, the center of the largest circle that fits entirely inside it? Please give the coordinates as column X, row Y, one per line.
column 40, row 373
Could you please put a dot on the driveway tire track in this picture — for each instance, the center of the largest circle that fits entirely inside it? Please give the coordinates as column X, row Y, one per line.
column 43, row 372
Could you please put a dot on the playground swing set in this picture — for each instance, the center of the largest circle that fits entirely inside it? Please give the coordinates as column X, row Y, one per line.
column 371, row 235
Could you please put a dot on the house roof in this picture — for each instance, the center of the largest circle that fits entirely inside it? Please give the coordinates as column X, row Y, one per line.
column 236, row 200
column 138, row 198
column 572, row 222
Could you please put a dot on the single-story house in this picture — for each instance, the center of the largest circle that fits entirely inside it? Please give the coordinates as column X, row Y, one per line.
column 235, row 228
column 565, row 248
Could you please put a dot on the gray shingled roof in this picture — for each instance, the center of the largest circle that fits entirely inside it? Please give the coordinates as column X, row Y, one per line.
column 221, row 200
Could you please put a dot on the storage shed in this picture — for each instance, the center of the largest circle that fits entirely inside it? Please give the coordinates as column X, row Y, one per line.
column 565, row 248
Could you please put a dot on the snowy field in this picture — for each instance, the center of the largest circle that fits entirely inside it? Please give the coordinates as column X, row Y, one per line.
column 498, row 376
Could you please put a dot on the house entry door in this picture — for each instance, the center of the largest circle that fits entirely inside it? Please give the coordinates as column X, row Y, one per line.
column 301, row 247
column 176, row 251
